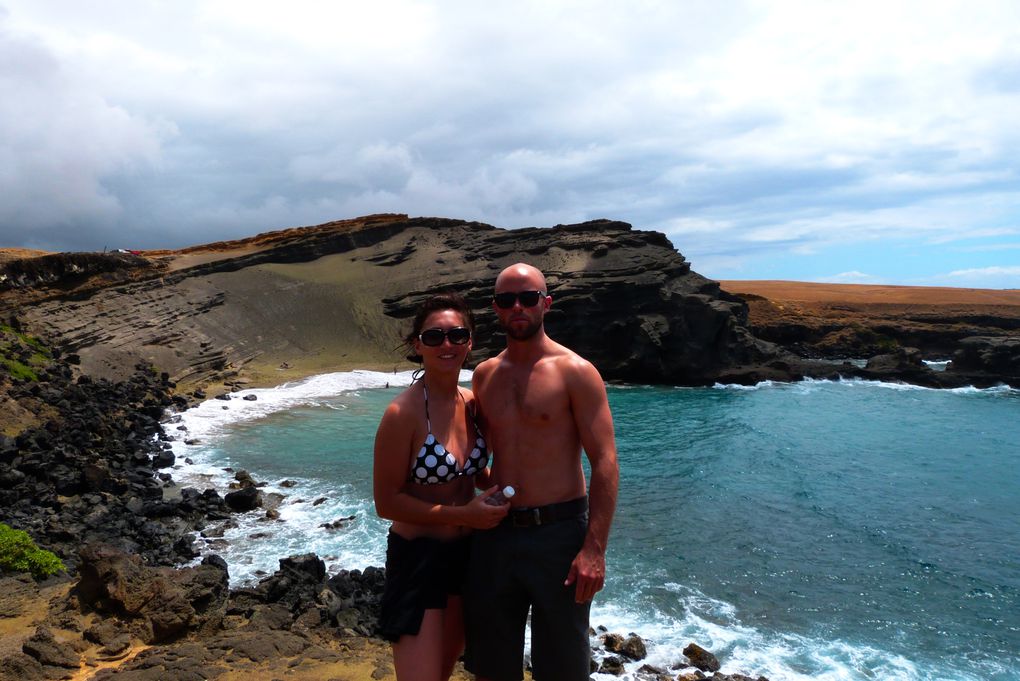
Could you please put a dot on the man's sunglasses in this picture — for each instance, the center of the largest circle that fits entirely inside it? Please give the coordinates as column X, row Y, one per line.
column 505, row 301
column 433, row 338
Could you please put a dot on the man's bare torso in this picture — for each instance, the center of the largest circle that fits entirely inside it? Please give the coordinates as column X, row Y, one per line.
column 530, row 426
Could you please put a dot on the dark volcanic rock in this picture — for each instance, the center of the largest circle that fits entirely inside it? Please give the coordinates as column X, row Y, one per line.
column 988, row 358
column 244, row 499
column 701, row 658
column 634, row 308
column 86, row 474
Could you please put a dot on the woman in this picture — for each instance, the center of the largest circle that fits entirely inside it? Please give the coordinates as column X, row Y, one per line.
column 429, row 457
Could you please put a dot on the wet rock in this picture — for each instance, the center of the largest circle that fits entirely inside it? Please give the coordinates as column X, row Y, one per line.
column 652, row 673
column 338, row 523
column 244, row 479
column 701, row 658
column 992, row 357
column 612, row 665
column 163, row 459
column 632, row 646
column 245, row 499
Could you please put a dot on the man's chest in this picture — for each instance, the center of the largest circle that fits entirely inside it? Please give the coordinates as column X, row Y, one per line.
column 518, row 398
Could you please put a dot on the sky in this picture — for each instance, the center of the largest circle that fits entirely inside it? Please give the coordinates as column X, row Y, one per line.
column 865, row 142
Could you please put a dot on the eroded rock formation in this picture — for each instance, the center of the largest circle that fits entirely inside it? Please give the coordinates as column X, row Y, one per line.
column 624, row 298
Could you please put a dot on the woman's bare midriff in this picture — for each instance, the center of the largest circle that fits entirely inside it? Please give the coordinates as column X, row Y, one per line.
column 456, row 493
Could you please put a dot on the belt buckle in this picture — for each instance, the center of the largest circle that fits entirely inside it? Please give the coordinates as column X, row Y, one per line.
column 536, row 517
column 526, row 517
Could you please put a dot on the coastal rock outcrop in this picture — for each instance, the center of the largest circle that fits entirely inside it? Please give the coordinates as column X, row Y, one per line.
column 624, row 298
column 985, row 359
column 169, row 602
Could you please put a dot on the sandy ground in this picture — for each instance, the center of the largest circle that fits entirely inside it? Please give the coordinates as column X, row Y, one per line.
column 27, row 606
column 871, row 294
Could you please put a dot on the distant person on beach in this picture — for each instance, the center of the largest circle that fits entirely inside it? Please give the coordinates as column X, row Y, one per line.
column 541, row 404
column 429, row 455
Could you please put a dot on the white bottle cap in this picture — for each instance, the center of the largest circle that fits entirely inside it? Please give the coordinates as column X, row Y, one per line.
column 509, row 492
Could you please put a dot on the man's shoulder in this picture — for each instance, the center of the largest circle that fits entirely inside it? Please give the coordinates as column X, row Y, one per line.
column 568, row 360
column 577, row 372
column 487, row 366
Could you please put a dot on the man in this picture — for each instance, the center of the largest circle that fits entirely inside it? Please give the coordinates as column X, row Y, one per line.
column 540, row 404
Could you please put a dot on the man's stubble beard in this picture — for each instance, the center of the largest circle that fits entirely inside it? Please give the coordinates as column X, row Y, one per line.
column 523, row 334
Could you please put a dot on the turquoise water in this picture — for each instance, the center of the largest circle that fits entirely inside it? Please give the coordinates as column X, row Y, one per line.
column 847, row 530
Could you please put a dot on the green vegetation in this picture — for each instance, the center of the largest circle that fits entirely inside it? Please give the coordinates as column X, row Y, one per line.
column 18, row 553
column 21, row 354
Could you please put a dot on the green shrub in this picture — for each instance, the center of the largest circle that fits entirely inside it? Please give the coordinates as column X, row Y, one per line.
column 18, row 553
column 18, row 370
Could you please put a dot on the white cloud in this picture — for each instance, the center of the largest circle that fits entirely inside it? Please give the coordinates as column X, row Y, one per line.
column 852, row 277
column 743, row 131
column 986, row 277
column 986, row 271
column 59, row 142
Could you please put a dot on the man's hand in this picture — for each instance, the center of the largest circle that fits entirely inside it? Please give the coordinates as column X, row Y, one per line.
column 588, row 570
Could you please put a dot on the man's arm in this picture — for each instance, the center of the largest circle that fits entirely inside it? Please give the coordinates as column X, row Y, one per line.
column 594, row 423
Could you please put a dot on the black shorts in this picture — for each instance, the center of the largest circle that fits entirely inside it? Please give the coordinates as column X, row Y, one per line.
column 513, row 569
column 420, row 574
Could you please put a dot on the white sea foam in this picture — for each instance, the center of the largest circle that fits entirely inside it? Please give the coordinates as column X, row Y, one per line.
column 749, row 650
column 863, row 383
column 209, row 417
column 255, row 545
column 737, row 386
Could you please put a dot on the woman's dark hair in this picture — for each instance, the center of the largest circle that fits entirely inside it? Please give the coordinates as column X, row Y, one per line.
column 441, row 301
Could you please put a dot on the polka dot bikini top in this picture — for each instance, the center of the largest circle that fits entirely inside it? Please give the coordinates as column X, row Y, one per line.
column 434, row 465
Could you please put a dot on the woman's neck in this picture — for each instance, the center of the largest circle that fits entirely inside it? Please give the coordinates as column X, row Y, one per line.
column 441, row 383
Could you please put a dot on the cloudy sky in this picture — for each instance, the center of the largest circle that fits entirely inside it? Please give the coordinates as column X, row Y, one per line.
column 871, row 142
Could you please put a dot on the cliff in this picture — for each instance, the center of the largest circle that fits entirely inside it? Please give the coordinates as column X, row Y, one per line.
column 294, row 302
column 339, row 295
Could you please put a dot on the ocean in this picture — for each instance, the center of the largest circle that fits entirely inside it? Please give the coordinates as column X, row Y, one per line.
column 815, row 530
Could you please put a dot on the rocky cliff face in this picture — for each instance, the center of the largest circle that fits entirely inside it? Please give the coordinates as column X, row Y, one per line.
column 343, row 292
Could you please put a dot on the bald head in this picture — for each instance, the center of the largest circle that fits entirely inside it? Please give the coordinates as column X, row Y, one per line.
column 520, row 277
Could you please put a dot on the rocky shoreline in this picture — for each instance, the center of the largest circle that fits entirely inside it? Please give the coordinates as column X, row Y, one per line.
column 90, row 484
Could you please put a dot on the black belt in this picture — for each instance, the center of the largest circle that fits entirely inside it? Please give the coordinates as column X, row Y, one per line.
column 543, row 515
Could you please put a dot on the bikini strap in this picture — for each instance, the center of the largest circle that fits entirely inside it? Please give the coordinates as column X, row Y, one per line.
column 428, row 421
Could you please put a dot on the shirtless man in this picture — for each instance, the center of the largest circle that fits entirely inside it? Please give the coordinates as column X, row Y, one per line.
column 541, row 404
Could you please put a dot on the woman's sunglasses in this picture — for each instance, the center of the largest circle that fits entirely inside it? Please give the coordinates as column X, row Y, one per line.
column 505, row 301
column 433, row 338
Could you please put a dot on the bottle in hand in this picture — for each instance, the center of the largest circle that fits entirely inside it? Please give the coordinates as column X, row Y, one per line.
column 501, row 496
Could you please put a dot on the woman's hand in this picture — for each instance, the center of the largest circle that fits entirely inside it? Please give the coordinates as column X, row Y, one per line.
column 481, row 515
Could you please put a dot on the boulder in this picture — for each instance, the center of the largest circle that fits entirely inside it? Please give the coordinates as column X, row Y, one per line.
column 170, row 602
column 612, row 665
column 701, row 658
column 245, row 499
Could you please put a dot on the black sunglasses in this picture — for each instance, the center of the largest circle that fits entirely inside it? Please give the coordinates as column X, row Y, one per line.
column 506, row 301
column 433, row 338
